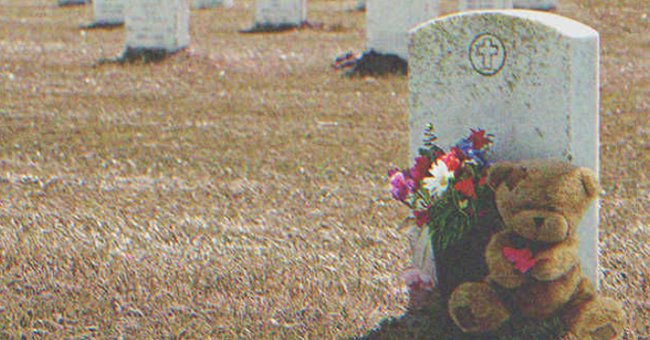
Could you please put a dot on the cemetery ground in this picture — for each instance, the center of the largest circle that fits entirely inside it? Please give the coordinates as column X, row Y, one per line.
column 239, row 189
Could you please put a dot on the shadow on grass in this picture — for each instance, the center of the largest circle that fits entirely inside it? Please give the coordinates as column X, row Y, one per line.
column 102, row 25
column 433, row 322
column 140, row 56
column 278, row 28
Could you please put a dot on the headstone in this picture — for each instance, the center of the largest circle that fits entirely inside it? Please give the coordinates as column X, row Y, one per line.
column 529, row 77
column 388, row 24
column 108, row 12
column 72, row 2
column 157, row 25
column 465, row 5
column 201, row 4
column 280, row 12
column 544, row 5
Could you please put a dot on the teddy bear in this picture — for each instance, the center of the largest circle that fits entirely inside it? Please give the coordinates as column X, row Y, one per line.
column 533, row 264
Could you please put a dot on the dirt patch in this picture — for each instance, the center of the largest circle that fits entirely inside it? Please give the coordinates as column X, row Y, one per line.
column 275, row 28
column 371, row 63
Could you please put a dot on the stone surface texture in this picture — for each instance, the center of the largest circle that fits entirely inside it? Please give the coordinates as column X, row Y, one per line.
column 387, row 25
column 158, row 25
column 465, row 5
column 201, row 4
column 280, row 12
column 536, row 4
column 531, row 78
column 108, row 12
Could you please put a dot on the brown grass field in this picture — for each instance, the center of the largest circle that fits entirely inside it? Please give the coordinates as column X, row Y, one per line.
column 238, row 189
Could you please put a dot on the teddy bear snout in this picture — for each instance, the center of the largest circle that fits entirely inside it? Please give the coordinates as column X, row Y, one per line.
column 541, row 225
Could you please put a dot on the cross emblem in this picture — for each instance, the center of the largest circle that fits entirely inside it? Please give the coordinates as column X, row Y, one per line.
column 487, row 51
column 487, row 54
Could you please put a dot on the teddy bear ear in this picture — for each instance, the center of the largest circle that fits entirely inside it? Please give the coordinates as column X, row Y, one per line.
column 589, row 182
column 498, row 173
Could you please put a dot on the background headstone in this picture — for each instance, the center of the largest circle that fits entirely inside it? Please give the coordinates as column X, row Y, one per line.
column 388, row 23
column 464, row 5
column 109, row 12
column 201, row 4
column 529, row 77
column 280, row 12
column 536, row 4
column 157, row 25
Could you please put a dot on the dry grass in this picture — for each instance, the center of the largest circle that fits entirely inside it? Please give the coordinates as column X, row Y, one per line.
column 238, row 189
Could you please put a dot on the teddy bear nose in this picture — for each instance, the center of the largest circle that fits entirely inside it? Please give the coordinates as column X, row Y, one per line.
column 539, row 221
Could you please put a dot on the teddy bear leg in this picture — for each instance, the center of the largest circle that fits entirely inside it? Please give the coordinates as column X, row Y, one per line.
column 476, row 308
column 599, row 318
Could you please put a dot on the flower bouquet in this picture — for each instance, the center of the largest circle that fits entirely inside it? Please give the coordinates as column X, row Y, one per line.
column 452, row 208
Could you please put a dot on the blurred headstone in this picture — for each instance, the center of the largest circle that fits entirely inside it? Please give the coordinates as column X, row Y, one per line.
column 157, row 27
column 387, row 24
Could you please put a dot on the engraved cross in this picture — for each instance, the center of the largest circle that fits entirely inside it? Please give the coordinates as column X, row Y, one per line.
column 487, row 51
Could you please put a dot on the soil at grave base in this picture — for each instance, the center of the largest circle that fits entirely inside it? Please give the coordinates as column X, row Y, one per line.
column 141, row 55
column 274, row 28
column 372, row 63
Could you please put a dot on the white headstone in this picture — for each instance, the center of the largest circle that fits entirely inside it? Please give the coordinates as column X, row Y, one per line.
column 280, row 12
column 531, row 78
column 158, row 25
column 201, row 4
column 536, row 4
column 465, row 5
column 108, row 12
column 388, row 23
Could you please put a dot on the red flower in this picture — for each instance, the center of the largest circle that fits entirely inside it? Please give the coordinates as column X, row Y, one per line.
column 452, row 161
column 482, row 181
column 466, row 187
column 421, row 217
column 478, row 139
column 458, row 153
column 420, row 169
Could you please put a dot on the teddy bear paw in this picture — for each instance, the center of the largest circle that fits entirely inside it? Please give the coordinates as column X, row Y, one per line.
column 601, row 319
column 475, row 308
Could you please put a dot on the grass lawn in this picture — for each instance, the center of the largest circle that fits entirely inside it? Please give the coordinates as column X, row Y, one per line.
column 239, row 189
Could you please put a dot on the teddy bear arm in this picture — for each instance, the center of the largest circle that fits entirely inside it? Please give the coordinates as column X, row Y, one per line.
column 502, row 271
column 554, row 262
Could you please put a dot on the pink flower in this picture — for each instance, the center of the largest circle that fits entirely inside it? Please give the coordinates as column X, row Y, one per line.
column 402, row 185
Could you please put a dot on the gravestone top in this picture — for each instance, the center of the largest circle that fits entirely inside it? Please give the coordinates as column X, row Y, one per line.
column 530, row 78
column 536, row 4
column 203, row 4
column 157, row 25
column 464, row 5
column 108, row 12
column 387, row 25
column 280, row 12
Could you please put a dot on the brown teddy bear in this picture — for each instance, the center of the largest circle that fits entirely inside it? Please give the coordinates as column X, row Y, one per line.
column 534, row 269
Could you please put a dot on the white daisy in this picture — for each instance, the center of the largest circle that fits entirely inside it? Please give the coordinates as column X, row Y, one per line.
column 439, row 180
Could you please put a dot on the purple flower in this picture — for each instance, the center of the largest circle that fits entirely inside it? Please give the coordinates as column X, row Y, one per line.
column 402, row 184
